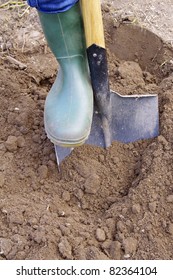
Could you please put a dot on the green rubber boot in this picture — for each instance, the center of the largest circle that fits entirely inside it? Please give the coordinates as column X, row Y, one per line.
column 69, row 104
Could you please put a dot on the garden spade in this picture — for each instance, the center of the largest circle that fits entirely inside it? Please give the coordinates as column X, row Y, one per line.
column 116, row 118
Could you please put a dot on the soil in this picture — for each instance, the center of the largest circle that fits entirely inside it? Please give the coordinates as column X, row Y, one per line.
column 105, row 204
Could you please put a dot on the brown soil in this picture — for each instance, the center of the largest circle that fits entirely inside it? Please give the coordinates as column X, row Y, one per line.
column 114, row 204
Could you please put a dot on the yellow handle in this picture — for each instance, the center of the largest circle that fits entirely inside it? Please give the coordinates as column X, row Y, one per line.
column 93, row 23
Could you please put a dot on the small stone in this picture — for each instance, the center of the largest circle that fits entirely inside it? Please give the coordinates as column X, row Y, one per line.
column 127, row 256
column 169, row 198
column 136, row 208
column 11, row 143
column 92, row 184
column 162, row 140
column 65, row 248
column 152, row 206
column 20, row 141
column 43, row 172
column 2, row 179
column 66, row 196
column 100, row 235
column 61, row 213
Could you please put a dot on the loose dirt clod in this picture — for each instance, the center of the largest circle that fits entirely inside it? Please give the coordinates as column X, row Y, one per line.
column 66, row 196
column 170, row 228
column 92, row 184
column 115, row 250
column 2, row 179
column 5, row 246
column 65, row 248
column 20, row 141
column 43, row 172
column 170, row 198
column 136, row 208
column 130, row 246
column 126, row 71
column 152, row 206
column 11, row 143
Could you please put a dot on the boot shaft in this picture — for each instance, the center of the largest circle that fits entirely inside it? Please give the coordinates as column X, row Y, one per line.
column 69, row 104
column 64, row 32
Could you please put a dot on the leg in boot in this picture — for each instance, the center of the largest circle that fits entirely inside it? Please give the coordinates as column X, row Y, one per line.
column 69, row 104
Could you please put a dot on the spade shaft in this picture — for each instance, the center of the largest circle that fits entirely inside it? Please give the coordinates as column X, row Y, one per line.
column 97, row 58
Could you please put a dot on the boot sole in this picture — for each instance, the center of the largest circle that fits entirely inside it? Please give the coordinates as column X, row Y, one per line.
column 65, row 143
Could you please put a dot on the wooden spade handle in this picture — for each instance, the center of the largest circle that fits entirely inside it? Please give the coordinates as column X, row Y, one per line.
column 93, row 23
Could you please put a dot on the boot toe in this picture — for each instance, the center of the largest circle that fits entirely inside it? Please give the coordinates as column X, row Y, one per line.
column 68, row 114
column 67, row 133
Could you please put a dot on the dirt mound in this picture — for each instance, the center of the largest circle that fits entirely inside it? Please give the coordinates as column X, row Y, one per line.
column 114, row 204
